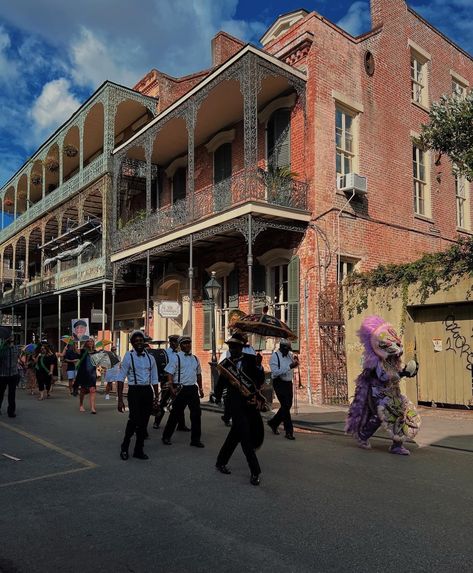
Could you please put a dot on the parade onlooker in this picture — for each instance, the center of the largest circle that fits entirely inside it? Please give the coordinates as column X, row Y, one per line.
column 111, row 375
column 45, row 362
column 71, row 358
column 140, row 369
column 86, row 377
column 30, row 376
column 9, row 373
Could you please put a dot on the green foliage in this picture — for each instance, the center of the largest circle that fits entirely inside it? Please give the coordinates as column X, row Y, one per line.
column 450, row 131
column 427, row 275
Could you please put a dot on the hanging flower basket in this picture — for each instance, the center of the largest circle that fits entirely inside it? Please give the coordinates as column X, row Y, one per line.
column 70, row 150
column 51, row 164
column 36, row 179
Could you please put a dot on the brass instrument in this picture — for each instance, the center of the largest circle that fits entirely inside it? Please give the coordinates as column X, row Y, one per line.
column 166, row 398
column 243, row 384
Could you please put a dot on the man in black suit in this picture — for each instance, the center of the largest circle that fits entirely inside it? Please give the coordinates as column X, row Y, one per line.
column 247, row 425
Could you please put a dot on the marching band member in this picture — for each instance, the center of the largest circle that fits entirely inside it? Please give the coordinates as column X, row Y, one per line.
column 282, row 364
column 184, row 373
column 247, row 425
column 140, row 369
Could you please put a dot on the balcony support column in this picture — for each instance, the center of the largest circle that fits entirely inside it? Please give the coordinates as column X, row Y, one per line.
column 104, row 292
column 59, row 313
column 191, row 116
column 81, row 149
column 40, row 319
column 191, row 281
column 112, row 319
column 26, row 324
column 78, row 303
column 61, row 160
column 43, row 181
column 148, row 284
column 250, row 86
column 28, row 194
column 148, row 152
column 250, row 264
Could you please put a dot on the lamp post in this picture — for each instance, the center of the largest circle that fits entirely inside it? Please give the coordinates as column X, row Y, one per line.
column 212, row 289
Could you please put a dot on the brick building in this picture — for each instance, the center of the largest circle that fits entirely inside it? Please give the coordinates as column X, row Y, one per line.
column 281, row 169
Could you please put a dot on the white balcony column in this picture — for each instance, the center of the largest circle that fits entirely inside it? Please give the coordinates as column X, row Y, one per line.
column 61, row 160
column 26, row 324
column 81, row 148
column 148, row 152
column 28, row 192
column 191, row 117
column 104, row 291
column 43, row 181
column 78, row 303
column 148, row 284
column 40, row 319
column 250, row 264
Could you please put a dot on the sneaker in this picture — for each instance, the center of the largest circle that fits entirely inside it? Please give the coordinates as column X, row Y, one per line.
column 399, row 449
column 364, row 444
column 107, row 396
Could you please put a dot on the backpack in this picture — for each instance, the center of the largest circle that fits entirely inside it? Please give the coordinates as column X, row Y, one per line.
column 162, row 360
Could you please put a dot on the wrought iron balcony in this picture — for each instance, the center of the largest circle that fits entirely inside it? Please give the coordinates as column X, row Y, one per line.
column 243, row 187
column 36, row 286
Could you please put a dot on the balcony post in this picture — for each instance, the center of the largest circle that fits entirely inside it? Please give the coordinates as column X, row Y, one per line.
column 28, row 194
column 112, row 319
column 78, row 303
column 250, row 264
column 43, row 181
column 40, row 319
column 148, row 284
column 191, row 281
column 15, row 201
column 61, row 160
column 104, row 290
column 148, row 152
column 249, row 87
column 26, row 323
column 190, row 124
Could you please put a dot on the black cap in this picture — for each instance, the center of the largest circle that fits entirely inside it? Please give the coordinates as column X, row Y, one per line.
column 80, row 322
column 173, row 337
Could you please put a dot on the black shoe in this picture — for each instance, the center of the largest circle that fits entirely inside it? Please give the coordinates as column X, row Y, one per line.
column 140, row 456
column 197, row 444
column 183, row 429
column 146, row 436
column 124, row 455
column 290, row 437
column 166, row 442
column 226, row 422
column 273, row 428
column 156, row 426
column 223, row 469
column 254, row 479
column 12, row 415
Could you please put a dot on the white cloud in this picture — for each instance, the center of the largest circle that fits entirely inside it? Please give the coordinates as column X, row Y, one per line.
column 53, row 106
column 8, row 68
column 357, row 20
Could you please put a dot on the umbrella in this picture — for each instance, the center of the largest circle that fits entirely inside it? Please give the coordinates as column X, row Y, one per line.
column 104, row 359
column 264, row 325
column 30, row 348
column 114, row 360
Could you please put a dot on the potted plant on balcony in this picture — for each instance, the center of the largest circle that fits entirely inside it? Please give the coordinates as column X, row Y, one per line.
column 36, row 179
column 51, row 164
column 279, row 183
column 70, row 150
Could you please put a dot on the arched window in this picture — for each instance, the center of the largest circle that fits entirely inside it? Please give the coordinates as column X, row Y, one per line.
column 279, row 138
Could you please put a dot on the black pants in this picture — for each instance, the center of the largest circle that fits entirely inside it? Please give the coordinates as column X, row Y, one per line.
column 140, row 404
column 283, row 391
column 181, row 422
column 188, row 396
column 227, row 415
column 11, row 382
column 240, row 433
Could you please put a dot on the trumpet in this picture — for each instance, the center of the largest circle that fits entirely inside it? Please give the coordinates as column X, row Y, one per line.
column 166, row 398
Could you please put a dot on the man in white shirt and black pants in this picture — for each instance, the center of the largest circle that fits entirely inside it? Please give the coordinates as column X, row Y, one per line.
column 282, row 364
column 139, row 367
column 185, row 377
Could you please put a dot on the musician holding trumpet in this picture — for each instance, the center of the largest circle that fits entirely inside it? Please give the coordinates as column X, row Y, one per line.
column 282, row 364
column 243, row 376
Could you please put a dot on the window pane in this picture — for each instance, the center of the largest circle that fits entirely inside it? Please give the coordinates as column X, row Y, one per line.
column 338, row 119
column 339, row 163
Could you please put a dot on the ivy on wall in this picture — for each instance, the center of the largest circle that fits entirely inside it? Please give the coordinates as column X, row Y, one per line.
column 427, row 275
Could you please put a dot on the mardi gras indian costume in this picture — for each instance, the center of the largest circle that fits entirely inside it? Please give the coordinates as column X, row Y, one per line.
column 378, row 399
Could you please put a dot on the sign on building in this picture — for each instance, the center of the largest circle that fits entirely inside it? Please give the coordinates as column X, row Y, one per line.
column 96, row 315
column 169, row 309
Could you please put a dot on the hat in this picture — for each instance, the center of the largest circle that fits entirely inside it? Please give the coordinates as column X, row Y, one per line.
column 174, row 337
column 80, row 322
column 236, row 338
column 184, row 339
column 136, row 333
column 285, row 342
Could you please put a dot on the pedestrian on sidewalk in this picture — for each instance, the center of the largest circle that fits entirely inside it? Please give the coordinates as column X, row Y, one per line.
column 71, row 358
column 45, row 362
column 139, row 368
column 282, row 364
column 111, row 374
column 247, row 425
column 185, row 379
column 9, row 375
column 86, row 376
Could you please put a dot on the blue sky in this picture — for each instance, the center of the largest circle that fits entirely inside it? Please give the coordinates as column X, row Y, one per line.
column 54, row 54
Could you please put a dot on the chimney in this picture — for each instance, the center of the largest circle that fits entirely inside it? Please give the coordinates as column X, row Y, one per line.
column 384, row 10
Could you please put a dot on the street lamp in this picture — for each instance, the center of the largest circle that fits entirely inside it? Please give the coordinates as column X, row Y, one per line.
column 212, row 289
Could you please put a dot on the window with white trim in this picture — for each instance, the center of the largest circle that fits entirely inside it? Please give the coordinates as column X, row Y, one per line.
column 462, row 201
column 419, row 79
column 346, row 266
column 420, row 180
column 344, row 140
column 458, row 88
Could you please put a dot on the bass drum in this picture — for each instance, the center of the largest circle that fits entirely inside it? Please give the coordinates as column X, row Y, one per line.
column 256, row 428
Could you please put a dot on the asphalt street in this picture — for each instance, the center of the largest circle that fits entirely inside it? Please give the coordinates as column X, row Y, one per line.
column 70, row 504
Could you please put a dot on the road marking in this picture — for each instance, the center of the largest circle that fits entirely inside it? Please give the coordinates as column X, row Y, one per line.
column 11, row 457
column 87, row 464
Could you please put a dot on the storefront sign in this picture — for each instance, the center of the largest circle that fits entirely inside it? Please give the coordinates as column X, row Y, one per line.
column 169, row 309
column 96, row 315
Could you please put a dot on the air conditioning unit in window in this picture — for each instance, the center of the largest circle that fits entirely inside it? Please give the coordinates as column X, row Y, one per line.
column 352, row 182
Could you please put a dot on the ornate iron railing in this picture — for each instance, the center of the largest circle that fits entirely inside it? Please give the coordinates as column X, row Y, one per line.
column 22, row 292
column 242, row 187
column 91, row 172
column 84, row 272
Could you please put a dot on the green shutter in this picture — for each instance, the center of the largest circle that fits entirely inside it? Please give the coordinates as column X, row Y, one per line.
column 293, row 298
column 233, row 289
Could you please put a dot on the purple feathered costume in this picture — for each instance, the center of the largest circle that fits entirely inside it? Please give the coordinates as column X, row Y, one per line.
column 378, row 399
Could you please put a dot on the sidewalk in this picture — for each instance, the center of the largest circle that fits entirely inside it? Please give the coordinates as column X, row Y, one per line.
column 441, row 428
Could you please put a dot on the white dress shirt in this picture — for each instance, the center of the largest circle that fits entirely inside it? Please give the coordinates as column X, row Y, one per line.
column 184, row 369
column 281, row 366
column 145, row 369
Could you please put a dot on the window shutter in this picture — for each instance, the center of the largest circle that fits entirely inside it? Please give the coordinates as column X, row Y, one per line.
column 279, row 136
column 293, row 299
column 259, row 288
column 233, row 289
